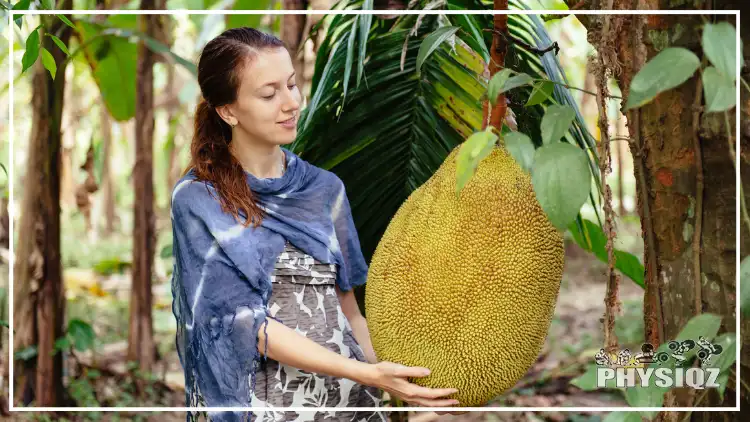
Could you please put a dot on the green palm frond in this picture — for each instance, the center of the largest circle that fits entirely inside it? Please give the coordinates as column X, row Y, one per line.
column 383, row 130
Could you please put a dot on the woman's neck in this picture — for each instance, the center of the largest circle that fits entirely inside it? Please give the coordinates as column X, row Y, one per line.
column 262, row 161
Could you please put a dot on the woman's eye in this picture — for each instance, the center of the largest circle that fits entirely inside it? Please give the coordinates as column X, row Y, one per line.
column 268, row 97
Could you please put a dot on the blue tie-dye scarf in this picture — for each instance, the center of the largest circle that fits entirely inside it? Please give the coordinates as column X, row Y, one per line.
column 221, row 281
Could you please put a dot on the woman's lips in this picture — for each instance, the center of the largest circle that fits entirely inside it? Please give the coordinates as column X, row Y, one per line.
column 289, row 124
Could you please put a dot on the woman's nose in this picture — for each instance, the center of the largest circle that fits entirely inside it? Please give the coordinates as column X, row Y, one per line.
column 291, row 102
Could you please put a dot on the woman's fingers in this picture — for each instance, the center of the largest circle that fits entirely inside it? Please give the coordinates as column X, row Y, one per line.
column 410, row 371
column 433, row 393
column 435, row 403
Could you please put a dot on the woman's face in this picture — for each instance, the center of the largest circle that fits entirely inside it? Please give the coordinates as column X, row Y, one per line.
column 268, row 100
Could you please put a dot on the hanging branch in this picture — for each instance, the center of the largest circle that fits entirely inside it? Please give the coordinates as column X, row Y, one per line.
column 698, row 199
column 612, row 304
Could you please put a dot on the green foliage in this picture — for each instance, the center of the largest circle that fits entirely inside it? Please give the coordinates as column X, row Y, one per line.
column 49, row 62
column 521, row 148
column 719, row 91
column 591, row 238
column 561, row 180
column 433, row 41
column 33, row 45
column 81, row 334
column 673, row 66
column 472, row 152
column 668, row 69
column 556, row 122
column 706, row 325
column 719, row 43
column 542, row 92
column 622, row 417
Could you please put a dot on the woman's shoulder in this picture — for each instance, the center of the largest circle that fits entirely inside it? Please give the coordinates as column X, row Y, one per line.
column 190, row 191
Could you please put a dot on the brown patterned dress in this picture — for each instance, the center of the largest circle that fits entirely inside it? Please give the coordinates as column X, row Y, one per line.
column 304, row 298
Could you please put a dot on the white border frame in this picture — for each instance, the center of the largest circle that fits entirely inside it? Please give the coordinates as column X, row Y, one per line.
column 11, row 166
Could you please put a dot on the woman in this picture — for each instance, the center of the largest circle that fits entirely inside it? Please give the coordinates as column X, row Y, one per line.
column 267, row 256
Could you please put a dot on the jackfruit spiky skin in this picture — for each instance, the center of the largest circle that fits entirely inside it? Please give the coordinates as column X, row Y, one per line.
column 466, row 286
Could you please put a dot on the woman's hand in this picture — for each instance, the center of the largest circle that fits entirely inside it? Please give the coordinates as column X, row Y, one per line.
column 392, row 377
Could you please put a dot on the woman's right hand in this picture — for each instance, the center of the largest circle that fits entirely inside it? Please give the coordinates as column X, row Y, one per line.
column 393, row 378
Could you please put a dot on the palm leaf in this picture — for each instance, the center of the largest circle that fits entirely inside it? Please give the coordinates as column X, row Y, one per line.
column 385, row 132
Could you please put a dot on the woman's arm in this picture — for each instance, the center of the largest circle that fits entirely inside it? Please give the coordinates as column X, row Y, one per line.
column 359, row 324
column 288, row 346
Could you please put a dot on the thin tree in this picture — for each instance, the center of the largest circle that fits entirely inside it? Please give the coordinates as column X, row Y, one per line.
column 140, row 329
column 38, row 302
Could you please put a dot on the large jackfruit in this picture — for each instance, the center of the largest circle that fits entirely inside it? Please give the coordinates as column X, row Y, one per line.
column 466, row 286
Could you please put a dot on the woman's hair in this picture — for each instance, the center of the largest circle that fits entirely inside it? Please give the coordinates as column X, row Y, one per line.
column 220, row 69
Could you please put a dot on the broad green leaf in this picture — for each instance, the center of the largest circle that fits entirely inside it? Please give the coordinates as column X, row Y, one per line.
column 67, row 21
column 472, row 152
column 48, row 4
column 668, row 69
column 542, row 92
column 60, row 44
column 719, row 42
column 622, row 417
column 728, row 355
column 21, row 5
column 562, row 181
column 593, row 240
column 745, row 286
column 496, row 84
column 113, row 60
column 521, row 148
column 651, row 396
column 49, row 62
column 26, row 353
column 719, row 91
column 706, row 325
column 433, row 41
column 82, row 334
column 32, row 50
column 556, row 122
column 62, row 343
column 587, row 380
column 722, row 380
column 516, row 81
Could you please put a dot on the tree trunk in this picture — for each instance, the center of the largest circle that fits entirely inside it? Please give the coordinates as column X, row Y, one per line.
column 38, row 289
column 292, row 34
column 140, row 330
column 685, row 179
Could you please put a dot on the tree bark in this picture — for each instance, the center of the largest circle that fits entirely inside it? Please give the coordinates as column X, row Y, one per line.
column 685, row 180
column 497, row 62
column 292, row 34
column 38, row 289
column 140, row 330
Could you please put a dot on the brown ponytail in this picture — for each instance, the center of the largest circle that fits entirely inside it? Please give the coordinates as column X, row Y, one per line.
column 219, row 68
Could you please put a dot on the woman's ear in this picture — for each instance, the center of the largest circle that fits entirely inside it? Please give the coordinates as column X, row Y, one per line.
column 226, row 114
